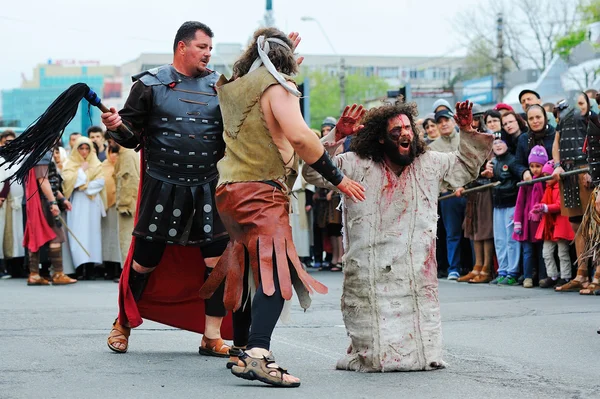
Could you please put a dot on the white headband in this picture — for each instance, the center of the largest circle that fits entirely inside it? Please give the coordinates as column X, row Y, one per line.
column 263, row 58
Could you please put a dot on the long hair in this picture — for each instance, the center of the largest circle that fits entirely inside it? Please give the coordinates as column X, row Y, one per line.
column 282, row 58
column 366, row 143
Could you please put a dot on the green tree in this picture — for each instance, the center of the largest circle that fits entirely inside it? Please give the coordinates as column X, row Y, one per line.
column 325, row 93
column 588, row 12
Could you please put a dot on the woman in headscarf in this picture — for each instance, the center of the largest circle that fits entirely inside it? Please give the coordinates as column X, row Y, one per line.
column 84, row 185
column 540, row 133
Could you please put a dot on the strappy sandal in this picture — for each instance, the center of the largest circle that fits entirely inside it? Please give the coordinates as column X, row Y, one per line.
column 258, row 369
column 590, row 289
column 213, row 347
column 571, row 286
column 36, row 279
column 234, row 356
column 62, row 279
column 115, row 337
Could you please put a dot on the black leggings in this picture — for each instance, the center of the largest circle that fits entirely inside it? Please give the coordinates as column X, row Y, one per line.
column 254, row 325
column 149, row 254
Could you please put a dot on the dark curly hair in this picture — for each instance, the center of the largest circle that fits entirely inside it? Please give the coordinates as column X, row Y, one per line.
column 366, row 143
column 282, row 58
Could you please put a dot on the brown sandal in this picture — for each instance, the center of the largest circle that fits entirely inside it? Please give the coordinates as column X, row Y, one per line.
column 213, row 347
column 258, row 369
column 36, row 279
column 589, row 290
column 481, row 278
column 571, row 286
column 115, row 337
column 62, row 279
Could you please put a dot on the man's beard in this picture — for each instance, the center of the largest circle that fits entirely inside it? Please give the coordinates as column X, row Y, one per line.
column 390, row 149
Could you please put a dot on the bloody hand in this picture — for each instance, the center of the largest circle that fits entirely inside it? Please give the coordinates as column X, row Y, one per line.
column 349, row 121
column 464, row 116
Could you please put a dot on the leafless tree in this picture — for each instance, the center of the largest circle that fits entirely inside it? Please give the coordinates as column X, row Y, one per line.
column 530, row 29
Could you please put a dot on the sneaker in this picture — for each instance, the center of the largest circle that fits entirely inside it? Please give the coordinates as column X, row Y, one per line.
column 498, row 280
column 520, row 280
column 548, row 282
column 453, row 276
column 4, row 276
column 509, row 280
column 528, row 283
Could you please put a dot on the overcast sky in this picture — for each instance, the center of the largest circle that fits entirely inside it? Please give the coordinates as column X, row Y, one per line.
column 114, row 32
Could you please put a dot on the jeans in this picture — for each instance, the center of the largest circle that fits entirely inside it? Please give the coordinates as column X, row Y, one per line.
column 453, row 214
column 508, row 251
column 532, row 257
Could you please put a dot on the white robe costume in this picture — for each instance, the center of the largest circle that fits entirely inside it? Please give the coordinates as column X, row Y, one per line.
column 84, row 220
column 300, row 220
column 11, row 236
column 390, row 300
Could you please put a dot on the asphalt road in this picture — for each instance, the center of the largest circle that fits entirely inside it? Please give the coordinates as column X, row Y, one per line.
column 500, row 342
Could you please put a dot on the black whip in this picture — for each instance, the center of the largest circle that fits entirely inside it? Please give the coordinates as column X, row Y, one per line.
column 45, row 132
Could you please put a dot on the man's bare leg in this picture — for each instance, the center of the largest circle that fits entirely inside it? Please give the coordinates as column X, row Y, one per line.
column 143, row 270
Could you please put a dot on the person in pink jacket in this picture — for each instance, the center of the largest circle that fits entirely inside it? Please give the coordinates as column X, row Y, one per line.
column 556, row 231
column 526, row 223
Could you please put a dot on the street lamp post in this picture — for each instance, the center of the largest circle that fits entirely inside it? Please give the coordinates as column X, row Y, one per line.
column 342, row 66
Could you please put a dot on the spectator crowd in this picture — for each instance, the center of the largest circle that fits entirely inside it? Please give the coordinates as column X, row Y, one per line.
column 505, row 228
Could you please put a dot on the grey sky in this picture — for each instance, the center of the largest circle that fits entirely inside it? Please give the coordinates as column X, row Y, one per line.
column 114, row 32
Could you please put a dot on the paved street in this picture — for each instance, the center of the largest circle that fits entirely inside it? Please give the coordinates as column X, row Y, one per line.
column 500, row 342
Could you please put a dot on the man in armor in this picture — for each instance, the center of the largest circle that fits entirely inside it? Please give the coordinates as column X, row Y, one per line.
column 173, row 112
column 45, row 201
column 568, row 155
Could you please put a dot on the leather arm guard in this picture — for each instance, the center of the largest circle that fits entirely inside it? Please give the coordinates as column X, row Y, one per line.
column 328, row 170
column 124, row 138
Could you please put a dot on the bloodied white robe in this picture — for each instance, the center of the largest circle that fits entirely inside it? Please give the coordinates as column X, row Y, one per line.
column 390, row 300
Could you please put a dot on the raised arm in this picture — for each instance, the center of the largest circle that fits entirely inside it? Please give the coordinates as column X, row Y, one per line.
column 463, row 165
column 286, row 111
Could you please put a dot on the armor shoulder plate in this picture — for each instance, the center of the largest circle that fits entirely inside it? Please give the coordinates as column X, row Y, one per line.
column 162, row 75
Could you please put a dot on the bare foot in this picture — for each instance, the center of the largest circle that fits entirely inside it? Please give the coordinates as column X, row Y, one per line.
column 259, row 353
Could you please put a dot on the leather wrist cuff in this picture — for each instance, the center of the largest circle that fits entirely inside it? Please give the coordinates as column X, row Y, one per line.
column 328, row 170
column 124, row 138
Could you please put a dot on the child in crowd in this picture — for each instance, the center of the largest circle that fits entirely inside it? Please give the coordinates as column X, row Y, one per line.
column 506, row 170
column 526, row 224
column 555, row 230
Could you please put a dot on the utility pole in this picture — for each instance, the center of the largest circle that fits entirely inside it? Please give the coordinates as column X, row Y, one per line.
column 342, row 76
column 500, row 57
column 269, row 19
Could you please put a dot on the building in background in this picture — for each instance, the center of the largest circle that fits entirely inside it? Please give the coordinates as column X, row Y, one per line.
column 23, row 105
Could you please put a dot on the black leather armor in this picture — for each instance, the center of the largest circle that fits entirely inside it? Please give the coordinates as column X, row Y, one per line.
column 572, row 137
column 183, row 139
column 593, row 152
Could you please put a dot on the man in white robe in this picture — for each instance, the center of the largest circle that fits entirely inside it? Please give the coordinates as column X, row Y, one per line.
column 390, row 295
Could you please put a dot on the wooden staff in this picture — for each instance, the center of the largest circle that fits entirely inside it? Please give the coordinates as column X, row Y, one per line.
column 546, row 178
column 470, row 190
column 73, row 235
